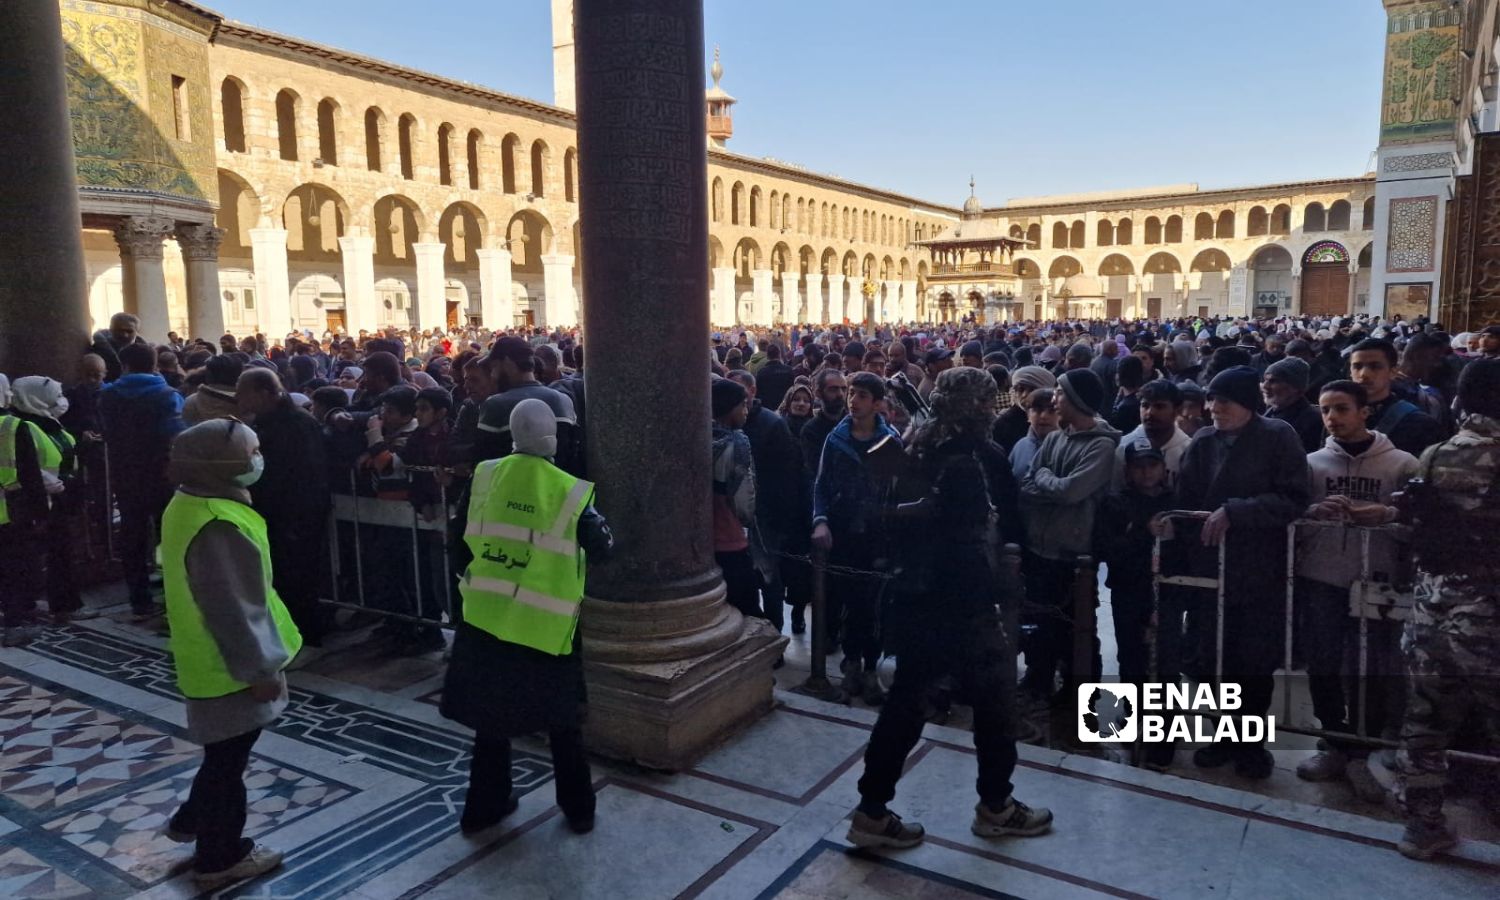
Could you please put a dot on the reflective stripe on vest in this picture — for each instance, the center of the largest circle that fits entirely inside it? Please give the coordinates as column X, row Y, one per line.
column 525, row 583
column 9, row 475
column 201, row 670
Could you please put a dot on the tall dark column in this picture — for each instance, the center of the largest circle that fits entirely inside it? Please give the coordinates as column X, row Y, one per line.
column 43, row 289
column 672, row 668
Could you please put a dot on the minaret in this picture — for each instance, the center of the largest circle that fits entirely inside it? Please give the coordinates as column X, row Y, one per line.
column 563, row 93
column 720, row 120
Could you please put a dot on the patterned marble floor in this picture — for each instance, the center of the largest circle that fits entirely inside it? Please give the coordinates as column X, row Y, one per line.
column 360, row 783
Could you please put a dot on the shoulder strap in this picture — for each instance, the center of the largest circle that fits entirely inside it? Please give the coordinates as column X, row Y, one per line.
column 1394, row 414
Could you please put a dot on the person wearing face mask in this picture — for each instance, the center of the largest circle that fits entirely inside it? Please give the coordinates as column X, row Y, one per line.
column 231, row 638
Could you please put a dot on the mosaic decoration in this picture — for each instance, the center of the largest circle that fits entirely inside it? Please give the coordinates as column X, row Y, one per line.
column 1412, row 238
column 1326, row 252
column 24, row 877
column 1421, row 72
column 1420, row 162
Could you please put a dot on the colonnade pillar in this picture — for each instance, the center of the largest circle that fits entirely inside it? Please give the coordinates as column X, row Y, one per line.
column 44, row 309
column 791, row 299
column 562, row 305
column 723, row 297
column 496, row 300
column 268, row 254
column 909, row 301
column 837, row 311
column 815, row 311
column 672, row 669
column 200, row 255
column 763, row 295
column 360, row 309
column 140, row 241
column 432, row 296
column 890, row 304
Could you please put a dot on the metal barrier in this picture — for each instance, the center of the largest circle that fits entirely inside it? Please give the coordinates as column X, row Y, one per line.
column 1370, row 600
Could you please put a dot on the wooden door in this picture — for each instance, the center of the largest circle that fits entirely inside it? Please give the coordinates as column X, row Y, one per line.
column 335, row 320
column 452, row 314
column 1153, row 307
column 1112, row 307
column 1325, row 289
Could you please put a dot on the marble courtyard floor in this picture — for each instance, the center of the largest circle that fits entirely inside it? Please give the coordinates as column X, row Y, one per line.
column 361, row 781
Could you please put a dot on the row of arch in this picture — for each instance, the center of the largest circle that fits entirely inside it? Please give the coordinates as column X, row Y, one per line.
column 1206, row 226
column 802, row 215
column 747, row 256
column 1212, row 259
column 460, row 159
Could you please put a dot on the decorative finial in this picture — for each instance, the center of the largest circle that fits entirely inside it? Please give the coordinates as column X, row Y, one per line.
column 971, row 185
column 718, row 69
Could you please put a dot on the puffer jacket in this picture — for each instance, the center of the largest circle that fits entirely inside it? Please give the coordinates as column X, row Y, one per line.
column 1068, row 477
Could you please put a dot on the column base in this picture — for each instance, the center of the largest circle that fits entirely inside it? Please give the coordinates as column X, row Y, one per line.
column 662, row 695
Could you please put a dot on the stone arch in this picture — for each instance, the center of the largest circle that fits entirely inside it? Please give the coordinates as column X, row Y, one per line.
column 905, row 269
column 541, row 157
column 1124, row 232
column 529, row 237
column 1281, row 219
column 1034, row 235
column 1064, row 266
column 869, row 267
column 1203, row 226
column 828, row 262
column 1162, row 263
column 1325, row 252
column 887, row 269
column 1172, row 231
column 328, row 131
column 747, row 257
column 1270, row 279
column 1367, row 215
column 445, row 153
column 781, row 257
column 1076, row 235
column 716, row 200
column 1017, row 232
column 757, row 203
column 314, row 216
column 462, row 228
column 1104, row 233
column 406, row 127
column 1026, row 267
column 1224, row 226
column 1116, row 264
column 570, row 175
column 737, row 203
column 399, row 223
column 1259, row 222
column 374, row 138
column 849, row 265
column 510, row 145
column 1314, row 218
column 715, row 252
column 1338, row 215
column 1059, row 236
column 232, row 94
column 239, row 211
column 288, row 105
column 1153, row 230
column 1211, row 259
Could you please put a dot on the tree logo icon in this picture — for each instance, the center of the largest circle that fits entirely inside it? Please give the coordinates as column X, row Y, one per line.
column 1107, row 713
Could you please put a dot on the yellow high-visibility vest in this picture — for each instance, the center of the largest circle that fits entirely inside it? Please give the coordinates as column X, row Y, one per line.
column 10, row 475
column 201, row 670
column 525, row 584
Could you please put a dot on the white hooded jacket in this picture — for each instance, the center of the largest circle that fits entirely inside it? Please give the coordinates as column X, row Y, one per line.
column 1331, row 555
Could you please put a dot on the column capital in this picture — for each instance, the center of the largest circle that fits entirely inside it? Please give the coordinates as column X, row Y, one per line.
column 200, row 242
column 421, row 248
column 354, row 243
column 557, row 259
column 493, row 253
column 140, row 237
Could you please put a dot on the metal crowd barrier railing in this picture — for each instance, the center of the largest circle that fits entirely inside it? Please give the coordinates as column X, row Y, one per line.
column 1370, row 600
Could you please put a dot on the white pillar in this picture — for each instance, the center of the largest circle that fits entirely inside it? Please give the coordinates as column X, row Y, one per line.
column 791, row 296
column 200, row 256
column 837, row 310
column 909, row 301
column 360, row 312
column 496, row 308
column 890, row 306
column 763, row 295
column 268, row 252
column 721, row 309
column 432, row 299
column 561, row 307
column 814, row 304
column 143, row 280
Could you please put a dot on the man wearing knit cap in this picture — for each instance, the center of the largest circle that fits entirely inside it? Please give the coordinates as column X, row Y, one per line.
column 1250, row 474
column 1011, row 425
column 1284, row 387
column 1069, row 475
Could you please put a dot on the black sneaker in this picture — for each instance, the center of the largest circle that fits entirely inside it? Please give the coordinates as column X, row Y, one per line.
column 581, row 824
column 1254, row 762
column 472, row 822
column 1213, row 756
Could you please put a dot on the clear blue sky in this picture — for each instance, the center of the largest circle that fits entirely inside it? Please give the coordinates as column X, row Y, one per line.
column 1032, row 98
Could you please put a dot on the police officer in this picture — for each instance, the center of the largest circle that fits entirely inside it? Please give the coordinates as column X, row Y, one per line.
column 231, row 638
column 516, row 667
column 1452, row 640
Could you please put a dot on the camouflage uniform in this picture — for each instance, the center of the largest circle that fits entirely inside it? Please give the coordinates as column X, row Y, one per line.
column 1452, row 641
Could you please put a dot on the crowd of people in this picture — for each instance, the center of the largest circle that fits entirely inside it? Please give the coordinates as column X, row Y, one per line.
column 900, row 454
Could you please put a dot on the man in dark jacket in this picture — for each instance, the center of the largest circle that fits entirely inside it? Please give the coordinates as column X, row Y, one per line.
column 141, row 416
column 1284, row 387
column 1250, row 474
column 1372, row 366
column 774, row 378
column 291, row 495
column 830, row 390
column 781, row 506
column 108, row 342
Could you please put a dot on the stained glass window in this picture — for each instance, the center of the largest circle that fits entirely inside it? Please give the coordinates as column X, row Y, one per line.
column 1326, row 252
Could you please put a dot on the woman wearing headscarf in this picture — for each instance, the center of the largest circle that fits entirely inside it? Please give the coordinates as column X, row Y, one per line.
column 231, row 639
column 40, row 401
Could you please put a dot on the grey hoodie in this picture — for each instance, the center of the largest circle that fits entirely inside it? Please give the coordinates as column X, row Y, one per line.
column 1069, row 475
column 1331, row 554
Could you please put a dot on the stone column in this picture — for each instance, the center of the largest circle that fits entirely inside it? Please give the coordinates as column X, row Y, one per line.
column 836, row 308
column 672, row 669
column 268, row 254
column 432, row 299
column 360, row 311
column 496, row 308
column 764, row 292
column 200, row 254
column 890, row 306
column 909, row 301
column 44, row 307
column 145, row 284
column 723, row 297
column 562, row 305
column 791, row 297
column 815, row 311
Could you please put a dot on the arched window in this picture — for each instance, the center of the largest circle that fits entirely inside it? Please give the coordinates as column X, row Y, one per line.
column 1281, row 219
column 1153, row 230
column 1314, row 219
column 1224, row 228
column 736, row 202
column 1174, row 230
column 1076, row 235
column 445, row 154
column 1059, row 236
column 328, row 142
column 1034, row 235
column 539, row 168
column 1367, row 217
column 286, row 124
column 1259, row 222
column 232, row 108
column 1338, row 216
column 570, row 175
column 374, row 121
column 1124, row 233
column 755, row 204
column 1104, row 234
column 716, row 201
column 1203, row 227
column 786, row 211
column 775, row 220
column 509, row 147
column 471, row 148
column 404, row 127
